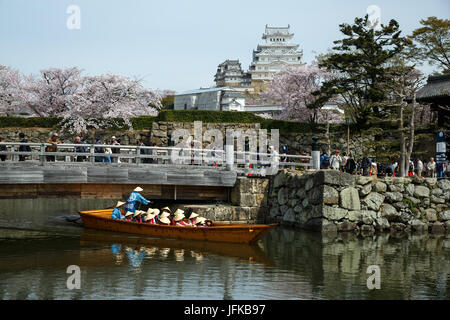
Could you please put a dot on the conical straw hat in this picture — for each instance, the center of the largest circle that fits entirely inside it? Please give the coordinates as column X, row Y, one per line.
column 164, row 220
column 119, row 203
column 165, row 214
column 178, row 216
column 138, row 189
column 193, row 215
column 166, row 208
column 128, row 213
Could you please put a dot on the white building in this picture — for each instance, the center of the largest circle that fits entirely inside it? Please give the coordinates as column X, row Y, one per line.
column 275, row 52
column 223, row 98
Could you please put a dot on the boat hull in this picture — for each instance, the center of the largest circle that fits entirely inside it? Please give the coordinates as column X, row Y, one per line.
column 237, row 233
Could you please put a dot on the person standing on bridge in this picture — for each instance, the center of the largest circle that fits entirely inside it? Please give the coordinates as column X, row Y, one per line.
column 134, row 199
column 54, row 141
column 2, row 148
column 22, row 147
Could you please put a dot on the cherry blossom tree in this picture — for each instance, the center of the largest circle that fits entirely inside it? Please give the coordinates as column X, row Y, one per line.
column 12, row 95
column 106, row 97
column 293, row 88
column 52, row 92
column 82, row 101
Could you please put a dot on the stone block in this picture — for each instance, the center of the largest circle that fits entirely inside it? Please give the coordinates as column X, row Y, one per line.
column 349, row 199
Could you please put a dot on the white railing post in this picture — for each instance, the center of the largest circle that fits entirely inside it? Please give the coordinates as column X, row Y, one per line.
column 138, row 155
column 92, row 151
column 42, row 156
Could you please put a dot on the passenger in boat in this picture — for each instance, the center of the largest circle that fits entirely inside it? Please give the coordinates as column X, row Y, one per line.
column 137, row 216
column 150, row 216
column 192, row 219
column 129, row 216
column 178, row 218
column 164, row 215
column 200, row 222
column 118, row 212
column 134, row 199
column 208, row 223
column 164, row 221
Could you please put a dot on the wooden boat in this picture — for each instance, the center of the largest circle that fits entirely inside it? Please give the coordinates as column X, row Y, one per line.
column 220, row 232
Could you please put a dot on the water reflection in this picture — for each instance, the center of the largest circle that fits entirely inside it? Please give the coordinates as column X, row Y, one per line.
column 37, row 244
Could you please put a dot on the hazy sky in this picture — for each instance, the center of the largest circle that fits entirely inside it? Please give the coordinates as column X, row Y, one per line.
column 178, row 44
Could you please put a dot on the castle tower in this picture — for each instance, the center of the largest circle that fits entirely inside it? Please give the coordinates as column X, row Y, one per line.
column 275, row 52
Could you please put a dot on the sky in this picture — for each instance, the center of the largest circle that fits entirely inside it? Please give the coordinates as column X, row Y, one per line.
column 178, row 45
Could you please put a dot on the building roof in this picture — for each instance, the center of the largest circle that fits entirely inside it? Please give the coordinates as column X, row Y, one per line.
column 202, row 90
column 436, row 87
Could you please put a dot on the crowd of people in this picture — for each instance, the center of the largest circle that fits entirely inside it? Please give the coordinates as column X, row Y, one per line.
column 79, row 151
column 367, row 167
column 129, row 211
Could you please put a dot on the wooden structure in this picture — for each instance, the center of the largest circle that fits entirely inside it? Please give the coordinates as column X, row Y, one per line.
column 237, row 233
column 437, row 93
column 171, row 173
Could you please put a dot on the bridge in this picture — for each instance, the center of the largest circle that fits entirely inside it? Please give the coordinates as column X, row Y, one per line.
column 167, row 173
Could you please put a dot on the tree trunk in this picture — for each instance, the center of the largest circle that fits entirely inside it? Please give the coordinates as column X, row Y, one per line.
column 411, row 128
column 401, row 164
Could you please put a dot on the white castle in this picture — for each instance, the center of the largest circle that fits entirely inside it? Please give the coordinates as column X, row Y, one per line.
column 275, row 52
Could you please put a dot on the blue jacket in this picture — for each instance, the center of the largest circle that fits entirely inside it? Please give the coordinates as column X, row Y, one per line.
column 116, row 214
column 322, row 164
column 133, row 200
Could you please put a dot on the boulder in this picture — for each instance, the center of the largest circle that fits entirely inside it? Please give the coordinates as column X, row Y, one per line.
column 444, row 215
column 354, row 216
column 362, row 180
column 421, row 191
column 397, row 226
column 388, row 212
column 282, row 196
column 393, row 196
column 381, row 224
column 431, row 181
column 435, row 199
column 330, row 195
column 396, row 188
column 332, row 213
column 444, row 184
column 349, row 199
column 380, row 187
column 289, row 216
column 418, row 225
column 437, row 192
column 365, row 190
column 301, row 194
column 373, row 201
column 410, row 189
column 430, row 215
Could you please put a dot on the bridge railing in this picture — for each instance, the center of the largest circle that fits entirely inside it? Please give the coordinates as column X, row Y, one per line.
column 242, row 161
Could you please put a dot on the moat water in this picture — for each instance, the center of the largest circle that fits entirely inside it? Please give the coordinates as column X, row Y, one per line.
column 40, row 238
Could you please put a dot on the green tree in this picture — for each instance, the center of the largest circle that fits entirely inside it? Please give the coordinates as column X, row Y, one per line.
column 431, row 42
column 168, row 102
column 359, row 64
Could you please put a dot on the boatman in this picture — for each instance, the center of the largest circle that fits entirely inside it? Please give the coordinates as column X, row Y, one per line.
column 118, row 212
column 134, row 199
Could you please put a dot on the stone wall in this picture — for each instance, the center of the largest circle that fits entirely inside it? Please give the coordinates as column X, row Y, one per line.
column 331, row 201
